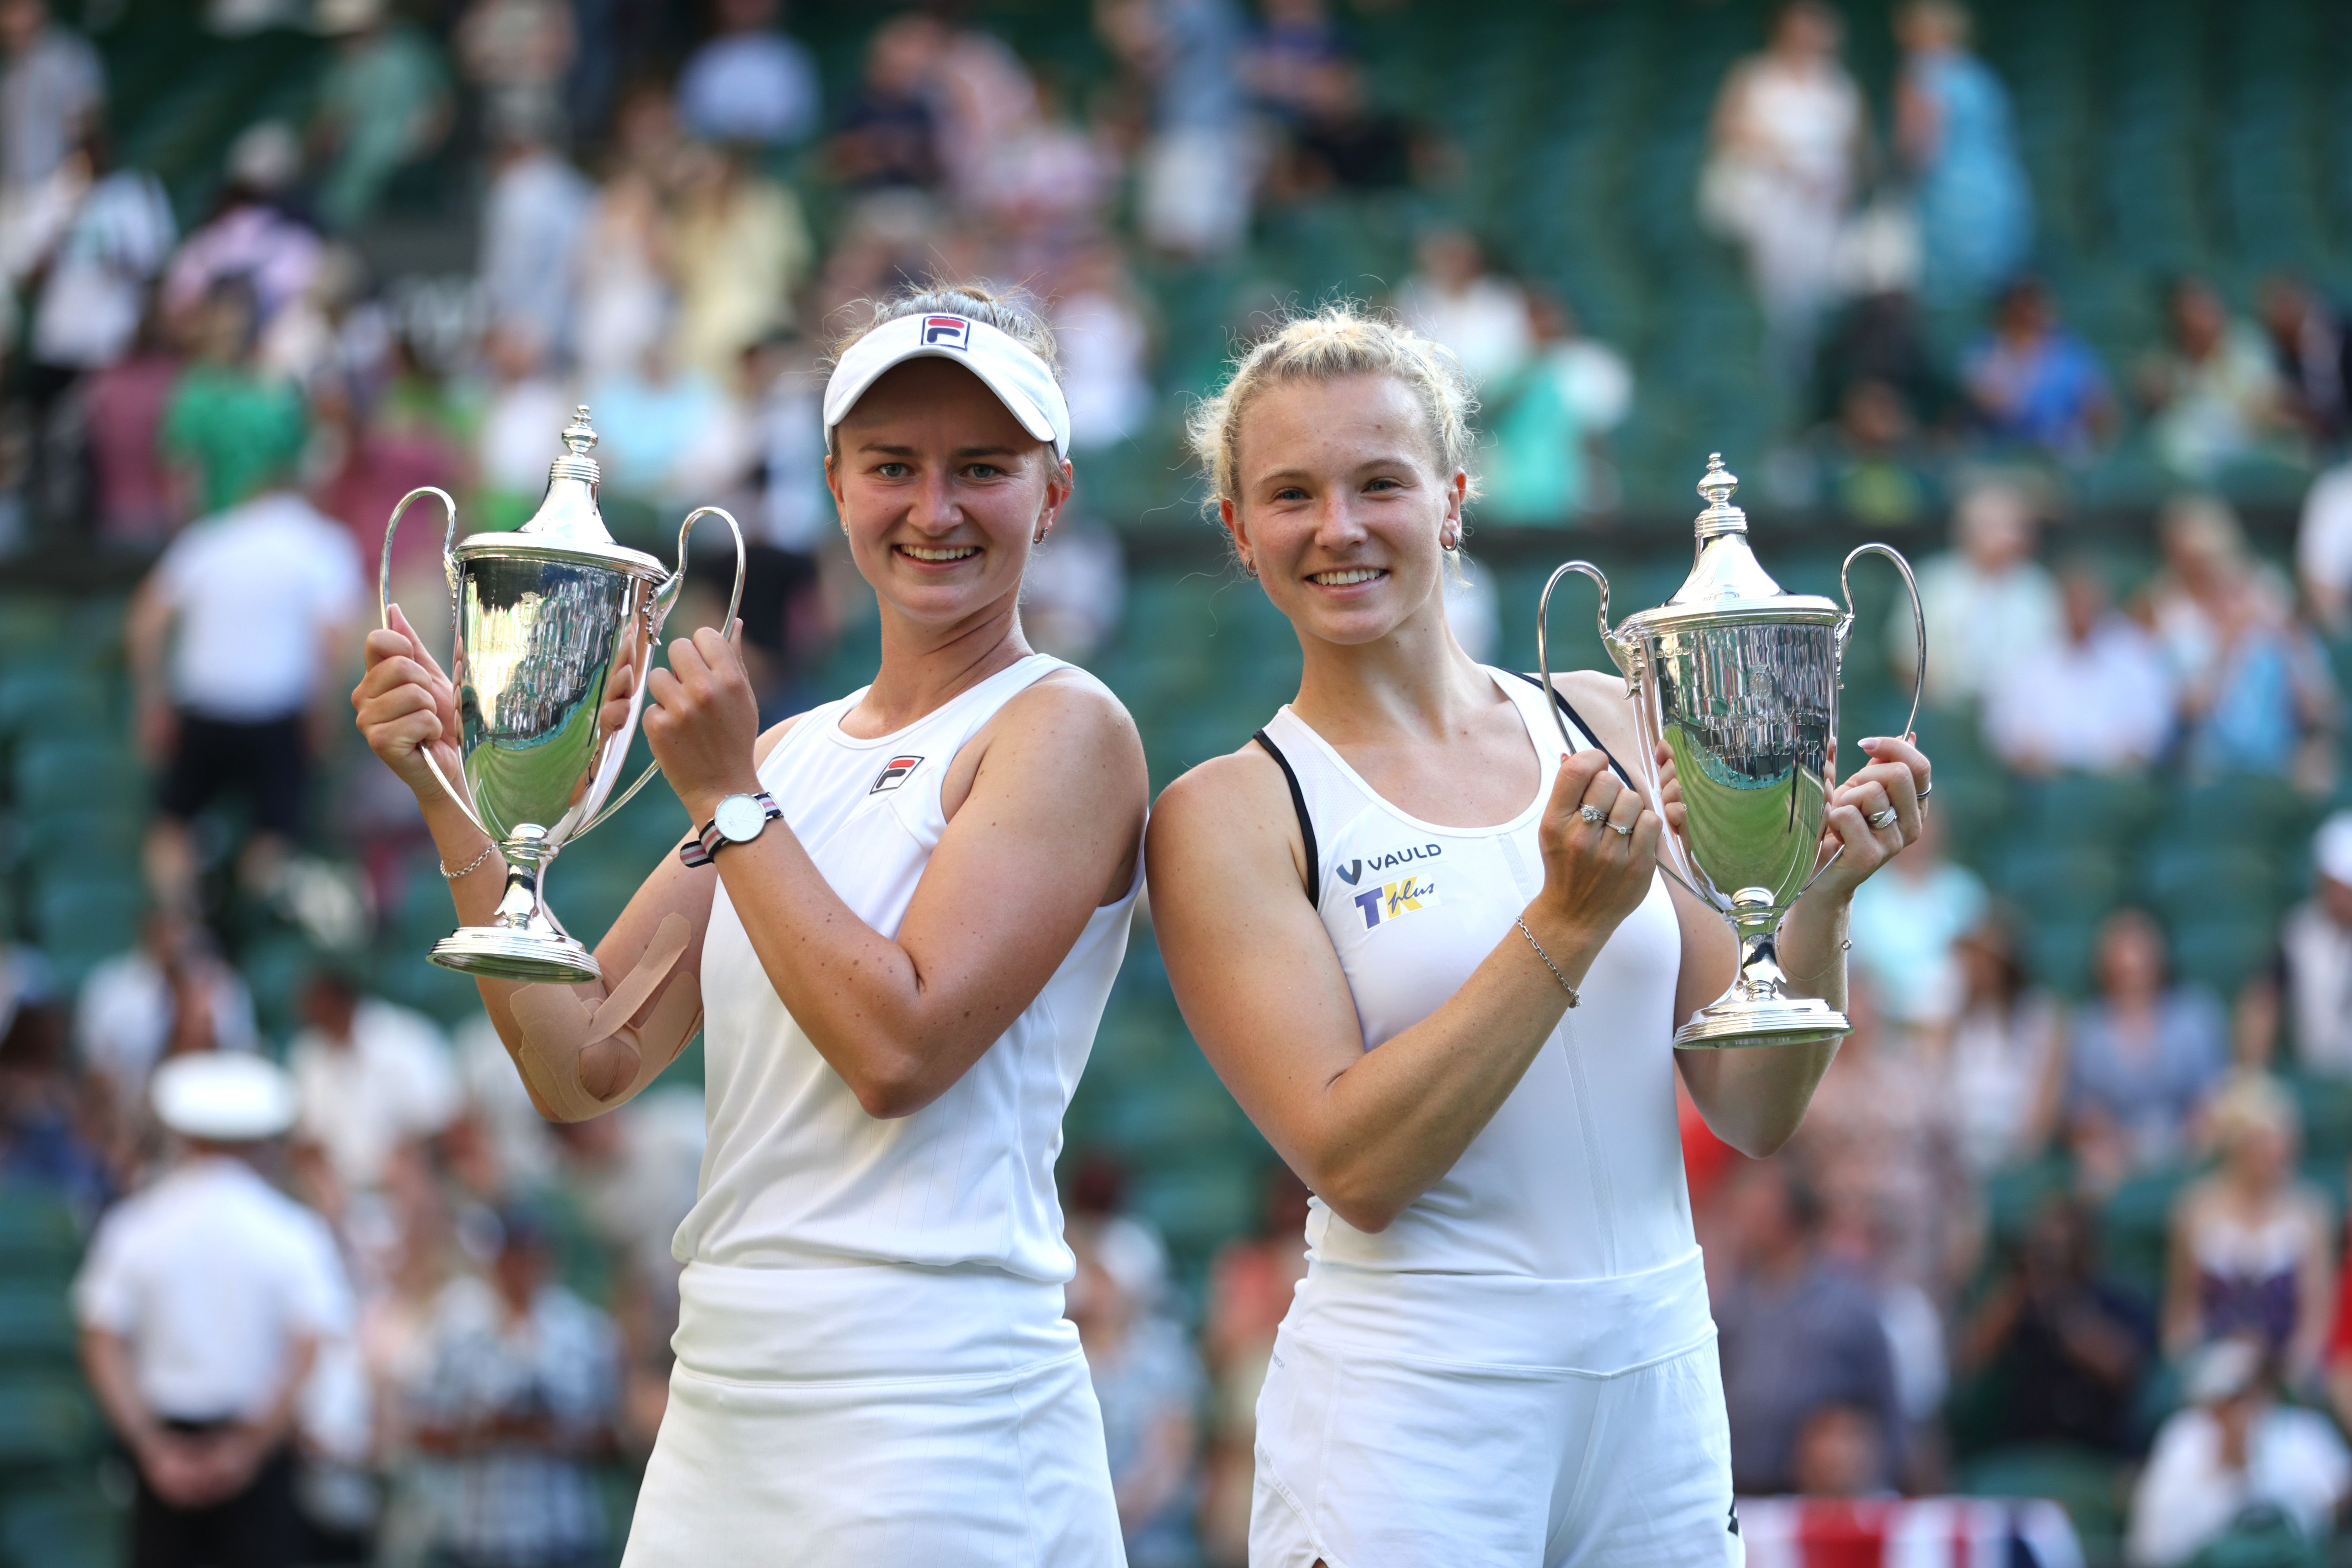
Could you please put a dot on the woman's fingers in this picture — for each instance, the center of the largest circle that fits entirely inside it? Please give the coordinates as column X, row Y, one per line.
column 422, row 654
column 1904, row 752
column 1883, row 786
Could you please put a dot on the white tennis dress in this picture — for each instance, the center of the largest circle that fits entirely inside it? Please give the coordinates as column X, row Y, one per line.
column 872, row 1367
column 1521, row 1369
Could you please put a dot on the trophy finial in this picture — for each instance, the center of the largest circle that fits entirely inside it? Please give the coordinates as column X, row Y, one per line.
column 578, row 438
column 1716, row 485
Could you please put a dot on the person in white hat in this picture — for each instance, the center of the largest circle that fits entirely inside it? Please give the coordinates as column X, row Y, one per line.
column 202, row 1307
column 902, row 913
column 2310, row 988
column 2235, row 1457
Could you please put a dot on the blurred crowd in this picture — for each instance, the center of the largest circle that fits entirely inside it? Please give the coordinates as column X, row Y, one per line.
column 229, row 397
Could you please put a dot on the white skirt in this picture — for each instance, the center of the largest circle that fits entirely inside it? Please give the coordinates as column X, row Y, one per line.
column 875, row 1416
column 1486, row 1422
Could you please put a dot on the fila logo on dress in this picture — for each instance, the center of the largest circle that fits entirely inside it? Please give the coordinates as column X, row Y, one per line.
column 946, row 332
column 894, row 773
column 1389, row 900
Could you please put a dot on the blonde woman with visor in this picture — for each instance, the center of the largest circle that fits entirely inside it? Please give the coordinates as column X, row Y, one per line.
column 1461, row 1036
column 898, row 925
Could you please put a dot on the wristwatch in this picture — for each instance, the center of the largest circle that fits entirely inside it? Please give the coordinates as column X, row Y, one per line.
column 739, row 820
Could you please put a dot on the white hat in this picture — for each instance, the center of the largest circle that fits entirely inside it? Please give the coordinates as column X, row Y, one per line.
column 2333, row 848
column 224, row 1096
column 1022, row 382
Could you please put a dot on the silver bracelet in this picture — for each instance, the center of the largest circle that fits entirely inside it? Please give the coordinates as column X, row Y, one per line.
column 1845, row 946
column 1572, row 997
column 471, row 866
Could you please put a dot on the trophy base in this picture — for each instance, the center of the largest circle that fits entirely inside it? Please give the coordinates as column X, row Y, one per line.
column 498, row 952
column 1736, row 1021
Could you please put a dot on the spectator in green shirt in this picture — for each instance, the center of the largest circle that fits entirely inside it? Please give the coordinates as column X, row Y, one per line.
column 234, row 428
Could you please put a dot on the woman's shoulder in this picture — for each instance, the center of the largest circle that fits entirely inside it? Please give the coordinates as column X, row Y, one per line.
column 1597, row 701
column 1070, row 706
column 1244, row 784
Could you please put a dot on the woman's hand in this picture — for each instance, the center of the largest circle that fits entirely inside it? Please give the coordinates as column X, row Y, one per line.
column 407, row 709
column 1595, row 873
column 1892, row 778
column 702, row 722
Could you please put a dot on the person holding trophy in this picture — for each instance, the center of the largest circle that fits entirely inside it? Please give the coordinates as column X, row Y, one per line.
column 898, row 923
column 1462, row 1037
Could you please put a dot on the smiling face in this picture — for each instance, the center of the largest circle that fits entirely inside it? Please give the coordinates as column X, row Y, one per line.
column 1340, row 504
column 940, row 491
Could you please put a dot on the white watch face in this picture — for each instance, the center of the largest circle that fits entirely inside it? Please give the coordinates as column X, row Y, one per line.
column 739, row 818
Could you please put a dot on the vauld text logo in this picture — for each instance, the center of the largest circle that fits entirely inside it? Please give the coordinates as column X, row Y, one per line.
column 1353, row 871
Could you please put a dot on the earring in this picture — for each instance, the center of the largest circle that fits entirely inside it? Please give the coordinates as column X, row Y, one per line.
column 1449, row 539
column 1249, row 568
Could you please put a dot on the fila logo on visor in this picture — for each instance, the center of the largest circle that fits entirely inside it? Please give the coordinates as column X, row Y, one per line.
column 894, row 773
column 946, row 332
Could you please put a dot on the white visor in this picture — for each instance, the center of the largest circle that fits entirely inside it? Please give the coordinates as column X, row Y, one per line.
column 1022, row 382
column 227, row 1097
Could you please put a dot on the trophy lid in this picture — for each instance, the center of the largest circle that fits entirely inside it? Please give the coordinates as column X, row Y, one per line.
column 1727, row 585
column 568, row 525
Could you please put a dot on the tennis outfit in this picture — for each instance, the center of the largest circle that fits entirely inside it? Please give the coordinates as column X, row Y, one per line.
column 872, row 1367
column 1521, row 1369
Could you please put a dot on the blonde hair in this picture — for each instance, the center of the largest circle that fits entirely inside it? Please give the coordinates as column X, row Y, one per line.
column 2252, row 1101
column 1341, row 339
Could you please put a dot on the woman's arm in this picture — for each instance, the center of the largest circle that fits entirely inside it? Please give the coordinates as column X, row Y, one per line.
column 1045, row 809
column 406, row 707
column 1254, row 972
column 2179, row 1330
column 2315, row 1275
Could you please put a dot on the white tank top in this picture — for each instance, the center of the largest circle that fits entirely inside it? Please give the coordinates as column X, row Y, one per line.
column 1580, row 1175
column 795, row 1173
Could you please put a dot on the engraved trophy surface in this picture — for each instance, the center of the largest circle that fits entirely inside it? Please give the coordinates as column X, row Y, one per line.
column 556, row 626
column 1738, row 682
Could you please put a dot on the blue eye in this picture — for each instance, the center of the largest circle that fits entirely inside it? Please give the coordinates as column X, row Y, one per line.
column 984, row 471
column 892, row 470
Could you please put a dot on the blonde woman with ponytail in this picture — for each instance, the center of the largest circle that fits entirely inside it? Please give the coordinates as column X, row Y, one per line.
column 897, row 922
column 1461, row 1036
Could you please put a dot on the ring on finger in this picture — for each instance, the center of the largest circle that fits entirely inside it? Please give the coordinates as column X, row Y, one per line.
column 1592, row 813
column 1884, row 818
column 1622, row 830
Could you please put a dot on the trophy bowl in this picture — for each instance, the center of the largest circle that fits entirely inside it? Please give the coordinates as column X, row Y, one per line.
column 1737, row 683
column 556, row 625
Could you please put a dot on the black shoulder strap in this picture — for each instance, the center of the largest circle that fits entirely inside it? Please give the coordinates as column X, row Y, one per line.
column 1578, row 719
column 1306, row 823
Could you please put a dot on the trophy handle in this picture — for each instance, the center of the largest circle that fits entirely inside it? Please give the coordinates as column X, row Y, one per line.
column 1845, row 628
column 1617, row 652
column 657, row 611
column 384, row 612
column 1918, row 617
column 1543, row 625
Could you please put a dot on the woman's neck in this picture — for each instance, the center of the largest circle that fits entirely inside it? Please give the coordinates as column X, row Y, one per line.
column 926, row 667
column 1415, row 683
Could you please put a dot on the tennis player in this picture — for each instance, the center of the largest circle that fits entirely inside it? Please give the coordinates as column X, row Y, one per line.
column 1461, row 1034
column 902, row 916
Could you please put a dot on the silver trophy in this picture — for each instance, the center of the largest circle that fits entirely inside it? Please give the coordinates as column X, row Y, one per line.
column 1739, row 681
column 556, row 628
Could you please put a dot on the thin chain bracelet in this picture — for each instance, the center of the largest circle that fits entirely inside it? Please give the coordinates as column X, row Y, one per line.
column 1572, row 997
column 471, row 866
column 1845, row 946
